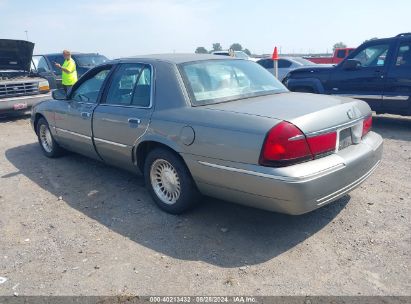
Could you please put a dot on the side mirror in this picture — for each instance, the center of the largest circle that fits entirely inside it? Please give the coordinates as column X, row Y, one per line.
column 351, row 64
column 59, row 94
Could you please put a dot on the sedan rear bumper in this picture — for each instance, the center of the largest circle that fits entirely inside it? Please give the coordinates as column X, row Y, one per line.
column 293, row 190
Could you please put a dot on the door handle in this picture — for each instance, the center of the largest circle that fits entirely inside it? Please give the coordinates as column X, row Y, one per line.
column 134, row 122
column 85, row 115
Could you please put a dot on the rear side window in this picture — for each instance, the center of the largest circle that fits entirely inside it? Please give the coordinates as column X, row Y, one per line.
column 131, row 85
column 283, row 64
column 341, row 54
column 404, row 55
column 266, row 63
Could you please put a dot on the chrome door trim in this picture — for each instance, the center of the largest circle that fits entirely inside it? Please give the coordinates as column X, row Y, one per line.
column 72, row 133
column 398, row 97
column 378, row 96
column 110, row 142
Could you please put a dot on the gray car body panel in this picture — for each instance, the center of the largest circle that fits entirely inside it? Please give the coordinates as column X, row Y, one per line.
column 221, row 143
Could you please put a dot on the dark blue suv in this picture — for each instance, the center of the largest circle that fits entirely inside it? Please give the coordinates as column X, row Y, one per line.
column 378, row 72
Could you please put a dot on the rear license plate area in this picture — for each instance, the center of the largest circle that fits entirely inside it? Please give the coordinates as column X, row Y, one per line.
column 345, row 139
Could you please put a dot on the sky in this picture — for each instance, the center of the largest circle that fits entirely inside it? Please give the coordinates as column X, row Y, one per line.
column 134, row 27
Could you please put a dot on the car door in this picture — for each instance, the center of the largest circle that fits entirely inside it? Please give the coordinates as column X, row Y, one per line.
column 53, row 59
column 124, row 113
column 42, row 68
column 74, row 119
column 397, row 91
column 365, row 82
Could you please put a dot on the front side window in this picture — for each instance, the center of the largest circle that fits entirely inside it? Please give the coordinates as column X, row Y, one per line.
column 56, row 59
column 404, row 55
column 214, row 81
column 89, row 90
column 131, row 85
column 39, row 64
column 373, row 56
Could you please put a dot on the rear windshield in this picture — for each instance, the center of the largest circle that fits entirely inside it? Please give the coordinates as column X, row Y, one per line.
column 303, row 61
column 214, row 81
column 89, row 60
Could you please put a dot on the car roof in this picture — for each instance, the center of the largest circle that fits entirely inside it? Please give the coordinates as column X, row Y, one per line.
column 175, row 58
column 72, row 53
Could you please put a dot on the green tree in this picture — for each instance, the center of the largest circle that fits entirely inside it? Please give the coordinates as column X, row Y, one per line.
column 201, row 50
column 339, row 45
column 217, row 47
column 247, row 51
column 236, row 47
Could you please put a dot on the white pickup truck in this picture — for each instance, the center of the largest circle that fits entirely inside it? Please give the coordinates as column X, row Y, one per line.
column 20, row 88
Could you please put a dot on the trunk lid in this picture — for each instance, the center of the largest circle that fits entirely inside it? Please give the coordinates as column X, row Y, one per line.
column 309, row 112
column 15, row 54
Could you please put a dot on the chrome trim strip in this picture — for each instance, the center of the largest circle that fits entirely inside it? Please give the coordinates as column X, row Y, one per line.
column 378, row 96
column 26, row 97
column 270, row 176
column 297, row 137
column 399, row 97
column 336, row 128
column 73, row 133
column 110, row 142
column 347, row 188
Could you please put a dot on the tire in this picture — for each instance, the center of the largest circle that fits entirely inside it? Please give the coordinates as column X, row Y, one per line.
column 169, row 181
column 47, row 143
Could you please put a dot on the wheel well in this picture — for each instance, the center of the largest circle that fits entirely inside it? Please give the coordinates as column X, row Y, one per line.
column 144, row 148
column 36, row 119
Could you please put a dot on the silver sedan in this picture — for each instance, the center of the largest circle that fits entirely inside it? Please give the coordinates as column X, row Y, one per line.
column 223, row 127
column 285, row 65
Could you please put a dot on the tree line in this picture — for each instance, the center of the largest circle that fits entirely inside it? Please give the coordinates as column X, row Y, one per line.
column 218, row 47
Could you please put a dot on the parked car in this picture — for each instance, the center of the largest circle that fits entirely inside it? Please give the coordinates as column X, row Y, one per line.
column 285, row 65
column 222, row 127
column 378, row 72
column 237, row 54
column 19, row 88
column 338, row 56
column 44, row 65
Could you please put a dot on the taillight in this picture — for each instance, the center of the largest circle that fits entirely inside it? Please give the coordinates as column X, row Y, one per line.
column 323, row 143
column 366, row 125
column 286, row 145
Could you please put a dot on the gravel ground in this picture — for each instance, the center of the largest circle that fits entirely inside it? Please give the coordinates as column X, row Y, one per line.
column 73, row 226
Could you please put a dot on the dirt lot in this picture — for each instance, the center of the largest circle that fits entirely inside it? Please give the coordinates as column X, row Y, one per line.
column 73, row 226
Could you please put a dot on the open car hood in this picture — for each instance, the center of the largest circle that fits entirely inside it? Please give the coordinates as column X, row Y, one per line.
column 15, row 54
